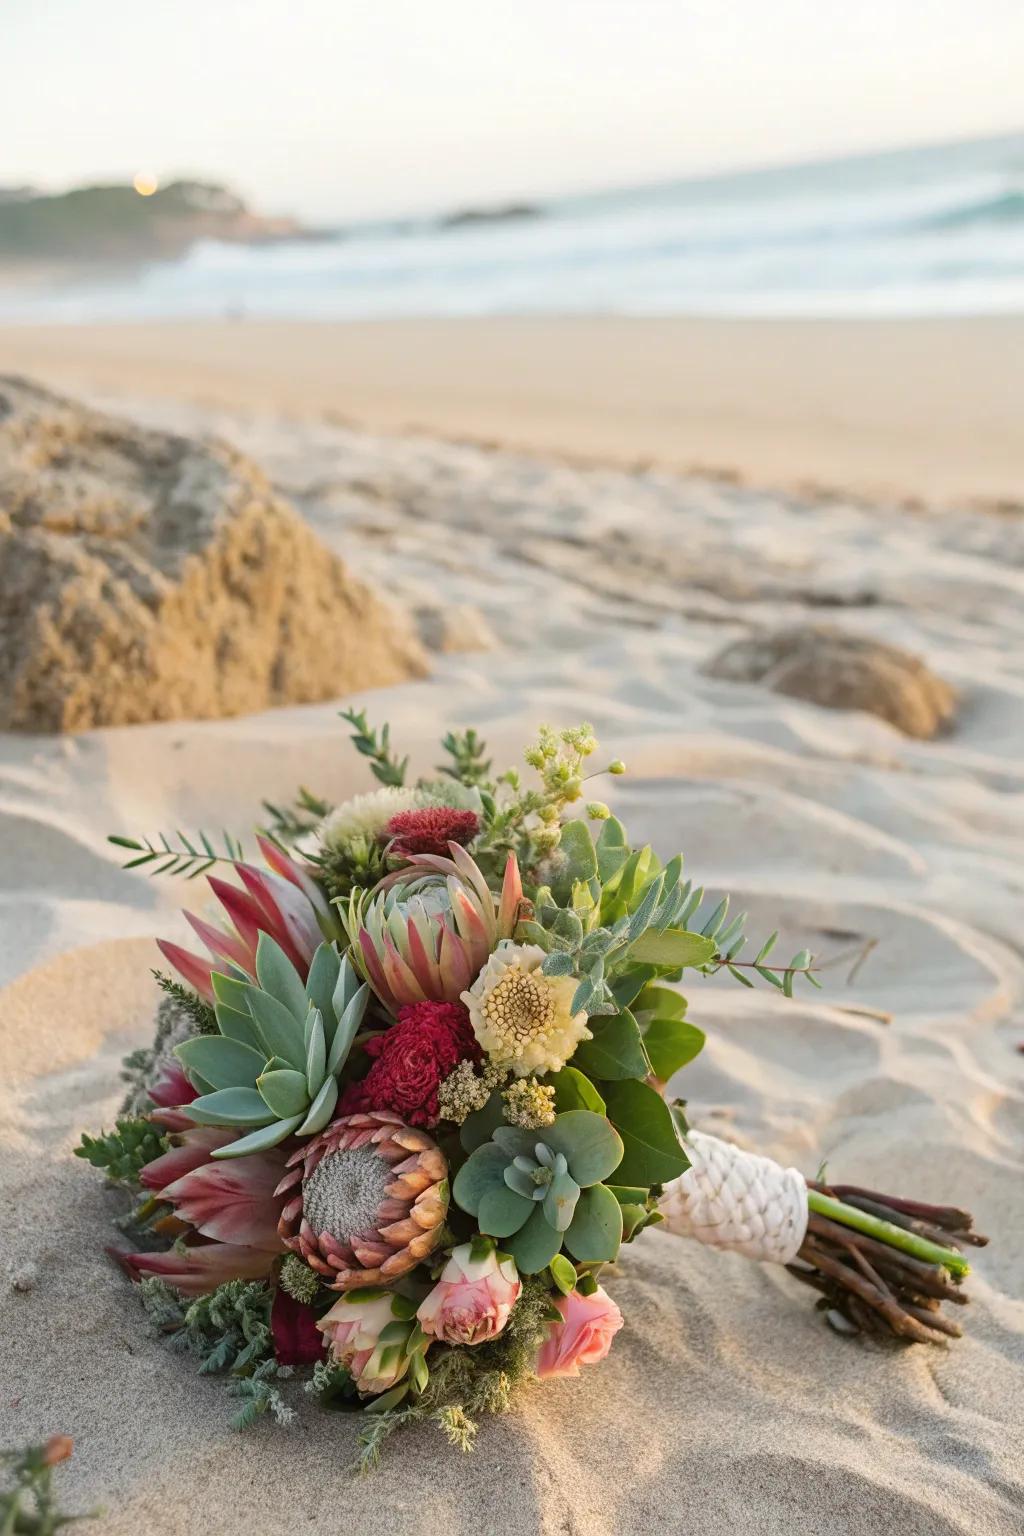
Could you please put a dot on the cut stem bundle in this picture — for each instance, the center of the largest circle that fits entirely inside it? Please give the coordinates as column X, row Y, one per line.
column 885, row 1265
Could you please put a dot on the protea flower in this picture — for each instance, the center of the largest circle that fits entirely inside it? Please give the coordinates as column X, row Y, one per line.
column 234, row 1205
column 425, row 932
column 366, row 1200
column 284, row 902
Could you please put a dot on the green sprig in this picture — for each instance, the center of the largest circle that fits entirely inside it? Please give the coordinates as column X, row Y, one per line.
column 183, row 858
column 384, row 765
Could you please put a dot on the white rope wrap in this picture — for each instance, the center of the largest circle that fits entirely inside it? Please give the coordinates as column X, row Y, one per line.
column 728, row 1198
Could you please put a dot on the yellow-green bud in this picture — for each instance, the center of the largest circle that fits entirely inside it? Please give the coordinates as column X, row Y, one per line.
column 597, row 810
column 618, row 766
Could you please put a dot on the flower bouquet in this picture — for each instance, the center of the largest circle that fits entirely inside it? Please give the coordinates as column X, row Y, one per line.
column 395, row 1125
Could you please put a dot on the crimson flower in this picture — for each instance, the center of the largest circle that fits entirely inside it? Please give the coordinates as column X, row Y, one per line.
column 429, row 830
column 411, row 1060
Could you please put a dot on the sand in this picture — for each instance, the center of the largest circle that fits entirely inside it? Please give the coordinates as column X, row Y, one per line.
column 890, row 408
column 726, row 1404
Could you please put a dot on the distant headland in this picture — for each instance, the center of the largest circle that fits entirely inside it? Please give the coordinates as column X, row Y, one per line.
column 129, row 223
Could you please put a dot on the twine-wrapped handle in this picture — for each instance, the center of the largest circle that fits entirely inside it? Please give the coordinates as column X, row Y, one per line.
column 738, row 1200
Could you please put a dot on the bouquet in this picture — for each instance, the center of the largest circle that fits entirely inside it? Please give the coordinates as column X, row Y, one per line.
column 400, row 1119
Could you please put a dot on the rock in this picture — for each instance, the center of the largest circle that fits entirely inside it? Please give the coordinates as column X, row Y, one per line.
column 458, row 627
column 146, row 576
column 827, row 666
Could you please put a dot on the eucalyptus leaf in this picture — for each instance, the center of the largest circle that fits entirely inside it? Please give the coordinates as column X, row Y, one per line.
column 589, row 1143
column 595, row 1232
column 535, row 1244
column 484, row 1170
column 670, row 1044
column 502, row 1211
column 673, row 947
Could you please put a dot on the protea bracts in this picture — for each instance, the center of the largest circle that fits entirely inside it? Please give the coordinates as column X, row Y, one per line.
column 232, row 1210
column 425, row 932
column 283, row 901
column 365, row 1201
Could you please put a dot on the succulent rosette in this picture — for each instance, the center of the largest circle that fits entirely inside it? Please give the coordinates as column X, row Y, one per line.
column 392, row 1131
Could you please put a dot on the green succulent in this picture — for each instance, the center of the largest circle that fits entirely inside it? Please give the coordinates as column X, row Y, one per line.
column 539, row 1189
column 273, row 1068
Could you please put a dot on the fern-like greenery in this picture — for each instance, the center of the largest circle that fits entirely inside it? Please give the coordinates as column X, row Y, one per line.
column 384, row 765
column 123, row 1152
column 190, row 1003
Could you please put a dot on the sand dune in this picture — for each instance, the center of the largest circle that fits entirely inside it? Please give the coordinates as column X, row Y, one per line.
column 726, row 1405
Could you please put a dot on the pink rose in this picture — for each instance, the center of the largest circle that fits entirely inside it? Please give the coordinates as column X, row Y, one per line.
column 583, row 1337
column 353, row 1328
column 474, row 1296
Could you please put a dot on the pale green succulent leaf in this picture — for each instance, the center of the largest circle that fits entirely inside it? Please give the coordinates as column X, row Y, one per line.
column 235, row 1025
column 222, row 1062
column 560, row 1201
column 321, row 1109
column 259, row 1141
column 284, row 1092
column 519, row 1180
column 316, row 1054
column 282, row 1034
column 230, row 1106
column 278, row 976
column 323, row 978
column 229, row 990
column 348, row 1028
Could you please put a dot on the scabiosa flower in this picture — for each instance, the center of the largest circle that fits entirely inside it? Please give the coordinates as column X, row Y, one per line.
column 411, row 1059
column 522, row 1018
column 365, row 817
column 429, row 830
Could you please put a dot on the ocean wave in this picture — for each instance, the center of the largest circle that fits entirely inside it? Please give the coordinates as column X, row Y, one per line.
column 1004, row 208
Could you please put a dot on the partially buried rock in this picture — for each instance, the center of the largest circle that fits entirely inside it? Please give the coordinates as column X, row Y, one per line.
column 827, row 666
column 146, row 576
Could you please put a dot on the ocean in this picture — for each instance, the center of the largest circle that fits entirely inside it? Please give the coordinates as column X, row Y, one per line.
column 929, row 231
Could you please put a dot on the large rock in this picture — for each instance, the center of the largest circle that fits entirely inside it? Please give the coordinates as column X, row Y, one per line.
column 827, row 666
column 145, row 576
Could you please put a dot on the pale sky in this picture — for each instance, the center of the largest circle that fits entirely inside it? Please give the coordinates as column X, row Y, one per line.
column 337, row 109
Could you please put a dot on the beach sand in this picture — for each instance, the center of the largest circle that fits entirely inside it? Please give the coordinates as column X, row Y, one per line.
column 726, row 1405
column 919, row 409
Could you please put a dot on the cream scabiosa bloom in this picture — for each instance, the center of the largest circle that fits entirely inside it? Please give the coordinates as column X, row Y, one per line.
column 522, row 1018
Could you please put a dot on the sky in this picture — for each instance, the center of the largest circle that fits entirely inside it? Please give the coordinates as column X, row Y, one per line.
column 341, row 109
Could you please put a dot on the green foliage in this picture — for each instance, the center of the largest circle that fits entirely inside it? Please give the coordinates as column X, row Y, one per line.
column 184, row 859
column 290, row 822
column 359, row 865
column 653, row 1150
column 28, row 1506
column 123, row 1152
column 616, row 1051
column 384, row 765
column 467, row 1382
column 468, row 765
column 259, row 1394
column 226, row 1331
column 190, row 1003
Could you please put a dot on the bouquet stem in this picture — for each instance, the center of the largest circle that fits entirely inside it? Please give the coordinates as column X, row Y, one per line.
column 885, row 1264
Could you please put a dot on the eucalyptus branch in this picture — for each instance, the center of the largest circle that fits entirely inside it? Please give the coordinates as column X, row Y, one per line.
column 184, row 859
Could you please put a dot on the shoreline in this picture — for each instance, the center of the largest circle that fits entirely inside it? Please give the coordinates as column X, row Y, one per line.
column 913, row 410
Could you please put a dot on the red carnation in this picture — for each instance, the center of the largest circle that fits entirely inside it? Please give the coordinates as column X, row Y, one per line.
column 430, row 830
column 412, row 1058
